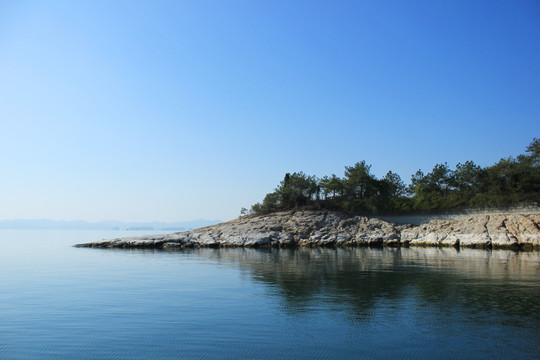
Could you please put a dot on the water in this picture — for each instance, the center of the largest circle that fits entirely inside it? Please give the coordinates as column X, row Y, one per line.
column 60, row 302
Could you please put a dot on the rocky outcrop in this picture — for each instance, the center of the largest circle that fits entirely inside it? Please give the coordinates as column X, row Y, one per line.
column 323, row 228
column 483, row 231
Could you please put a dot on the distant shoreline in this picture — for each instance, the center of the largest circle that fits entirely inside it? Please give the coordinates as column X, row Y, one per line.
column 46, row 224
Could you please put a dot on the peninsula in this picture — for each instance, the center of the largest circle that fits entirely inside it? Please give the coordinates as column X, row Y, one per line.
column 307, row 211
column 309, row 228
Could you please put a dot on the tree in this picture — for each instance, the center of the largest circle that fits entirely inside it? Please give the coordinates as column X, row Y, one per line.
column 393, row 185
column 297, row 189
column 503, row 176
column 529, row 182
column 359, row 183
column 323, row 186
column 417, row 181
column 467, row 178
column 534, row 152
column 335, row 186
column 440, row 179
column 431, row 190
column 511, row 181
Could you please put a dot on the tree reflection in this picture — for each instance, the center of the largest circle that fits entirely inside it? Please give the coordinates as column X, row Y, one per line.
column 357, row 280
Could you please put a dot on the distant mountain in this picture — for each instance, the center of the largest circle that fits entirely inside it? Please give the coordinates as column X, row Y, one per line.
column 103, row 225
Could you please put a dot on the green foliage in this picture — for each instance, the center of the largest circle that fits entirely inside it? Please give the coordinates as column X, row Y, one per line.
column 393, row 185
column 359, row 183
column 296, row 190
column 534, row 153
column 508, row 182
column 335, row 187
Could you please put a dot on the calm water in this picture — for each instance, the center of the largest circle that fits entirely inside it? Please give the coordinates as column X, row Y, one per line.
column 60, row 302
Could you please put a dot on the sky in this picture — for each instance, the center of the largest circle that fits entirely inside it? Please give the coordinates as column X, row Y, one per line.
column 182, row 110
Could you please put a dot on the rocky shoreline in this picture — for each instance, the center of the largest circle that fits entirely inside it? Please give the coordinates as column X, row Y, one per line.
column 312, row 228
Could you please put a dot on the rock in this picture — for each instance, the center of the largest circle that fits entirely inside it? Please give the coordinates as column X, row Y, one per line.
column 324, row 228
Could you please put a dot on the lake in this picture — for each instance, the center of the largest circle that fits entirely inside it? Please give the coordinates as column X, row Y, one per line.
column 61, row 302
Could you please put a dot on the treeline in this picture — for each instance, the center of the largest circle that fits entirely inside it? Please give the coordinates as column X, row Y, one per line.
column 510, row 182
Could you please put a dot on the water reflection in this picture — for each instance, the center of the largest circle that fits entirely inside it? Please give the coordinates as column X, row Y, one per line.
column 428, row 285
column 358, row 280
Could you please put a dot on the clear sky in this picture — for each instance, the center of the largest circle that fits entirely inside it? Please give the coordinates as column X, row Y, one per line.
column 178, row 110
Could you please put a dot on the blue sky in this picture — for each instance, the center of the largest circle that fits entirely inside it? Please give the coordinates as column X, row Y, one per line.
column 178, row 110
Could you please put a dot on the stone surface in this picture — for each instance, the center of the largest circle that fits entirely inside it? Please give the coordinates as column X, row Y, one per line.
column 312, row 228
